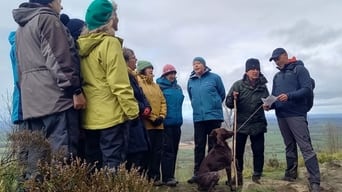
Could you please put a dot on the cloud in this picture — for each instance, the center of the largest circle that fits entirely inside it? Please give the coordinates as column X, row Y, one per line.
column 226, row 33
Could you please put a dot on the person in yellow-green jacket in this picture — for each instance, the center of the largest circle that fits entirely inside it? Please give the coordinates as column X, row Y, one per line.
column 153, row 122
column 111, row 103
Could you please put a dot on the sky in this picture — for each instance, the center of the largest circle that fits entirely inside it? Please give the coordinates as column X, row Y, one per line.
column 224, row 32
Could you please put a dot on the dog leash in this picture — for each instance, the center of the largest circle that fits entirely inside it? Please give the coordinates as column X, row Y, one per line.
column 249, row 118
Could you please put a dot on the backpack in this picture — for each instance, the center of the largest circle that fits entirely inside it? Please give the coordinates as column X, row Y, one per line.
column 309, row 101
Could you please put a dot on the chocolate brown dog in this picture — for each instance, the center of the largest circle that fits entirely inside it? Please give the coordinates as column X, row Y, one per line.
column 218, row 158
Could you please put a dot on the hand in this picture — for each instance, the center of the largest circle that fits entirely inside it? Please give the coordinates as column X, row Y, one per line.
column 235, row 94
column 147, row 111
column 158, row 121
column 266, row 107
column 79, row 101
column 283, row 97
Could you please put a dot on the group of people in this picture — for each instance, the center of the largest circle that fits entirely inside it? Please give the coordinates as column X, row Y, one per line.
column 91, row 97
column 292, row 87
column 75, row 83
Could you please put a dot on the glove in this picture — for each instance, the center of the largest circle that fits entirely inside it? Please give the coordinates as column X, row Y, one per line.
column 147, row 111
column 158, row 121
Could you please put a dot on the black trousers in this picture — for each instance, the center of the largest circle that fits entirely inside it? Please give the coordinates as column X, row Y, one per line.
column 156, row 139
column 62, row 131
column 258, row 148
column 172, row 136
column 106, row 147
column 202, row 131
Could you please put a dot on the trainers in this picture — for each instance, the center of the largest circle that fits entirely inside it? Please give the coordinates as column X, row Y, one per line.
column 314, row 187
column 192, row 180
column 256, row 179
column 171, row 183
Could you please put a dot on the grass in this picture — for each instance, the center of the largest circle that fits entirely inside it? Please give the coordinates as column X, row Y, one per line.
column 329, row 138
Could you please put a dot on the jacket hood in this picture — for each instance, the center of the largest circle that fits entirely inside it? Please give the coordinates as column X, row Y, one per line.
column 87, row 43
column 164, row 83
column 193, row 74
column 293, row 62
column 11, row 38
column 27, row 11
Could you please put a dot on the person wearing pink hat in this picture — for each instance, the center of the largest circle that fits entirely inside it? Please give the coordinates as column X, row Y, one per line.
column 172, row 124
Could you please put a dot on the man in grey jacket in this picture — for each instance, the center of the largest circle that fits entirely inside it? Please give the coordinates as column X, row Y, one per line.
column 49, row 76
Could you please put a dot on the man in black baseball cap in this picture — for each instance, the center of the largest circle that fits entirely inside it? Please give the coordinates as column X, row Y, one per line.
column 276, row 53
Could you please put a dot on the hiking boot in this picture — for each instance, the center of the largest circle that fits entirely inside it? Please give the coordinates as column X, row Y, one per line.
column 314, row 187
column 157, row 183
column 289, row 179
column 290, row 175
column 192, row 180
column 256, row 179
column 171, row 183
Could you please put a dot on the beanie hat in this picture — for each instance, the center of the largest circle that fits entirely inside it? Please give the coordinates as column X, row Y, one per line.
column 44, row 2
column 200, row 59
column 143, row 65
column 98, row 13
column 252, row 64
column 74, row 26
column 168, row 68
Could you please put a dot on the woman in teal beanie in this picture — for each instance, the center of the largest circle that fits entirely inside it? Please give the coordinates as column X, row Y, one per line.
column 111, row 103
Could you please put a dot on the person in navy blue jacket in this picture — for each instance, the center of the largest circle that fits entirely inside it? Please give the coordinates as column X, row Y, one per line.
column 292, row 86
column 172, row 124
column 206, row 92
column 138, row 142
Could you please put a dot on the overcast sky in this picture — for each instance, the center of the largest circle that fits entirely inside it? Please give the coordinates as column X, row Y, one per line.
column 224, row 32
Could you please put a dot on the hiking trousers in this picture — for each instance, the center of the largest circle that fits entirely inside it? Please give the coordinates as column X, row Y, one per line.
column 171, row 141
column 202, row 131
column 295, row 132
column 258, row 148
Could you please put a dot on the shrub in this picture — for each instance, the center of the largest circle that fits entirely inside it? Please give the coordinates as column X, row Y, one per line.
column 79, row 176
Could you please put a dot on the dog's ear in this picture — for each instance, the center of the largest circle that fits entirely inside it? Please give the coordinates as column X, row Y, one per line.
column 213, row 135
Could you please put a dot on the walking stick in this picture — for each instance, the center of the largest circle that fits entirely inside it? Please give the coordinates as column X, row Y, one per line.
column 234, row 142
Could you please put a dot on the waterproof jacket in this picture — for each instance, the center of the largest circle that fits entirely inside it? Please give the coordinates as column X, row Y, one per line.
column 110, row 99
column 17, row 113
column 248, row 101
column 156, row 99
column 138, row 138
column 206, row 94
column 138, row 92
column 48, row 64
column 174, row 100
column 293, row 80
